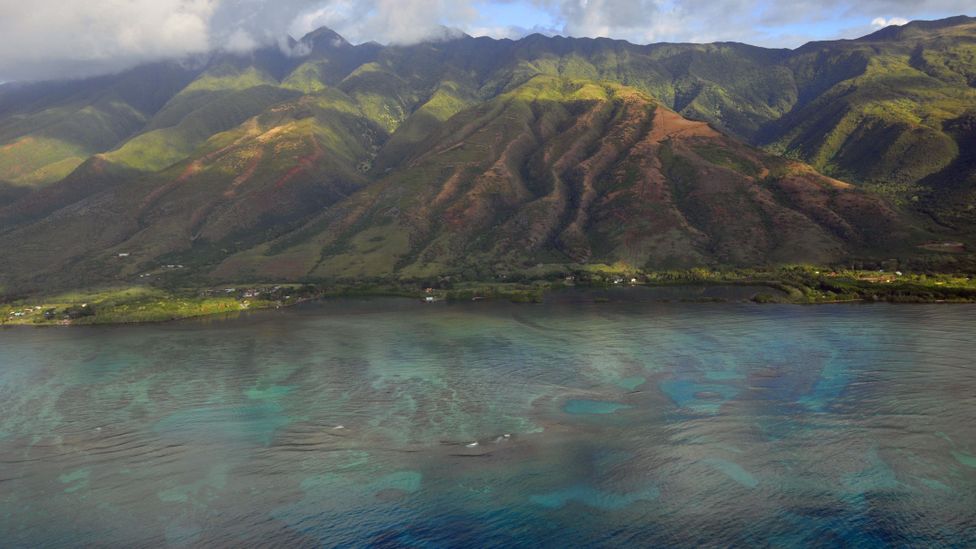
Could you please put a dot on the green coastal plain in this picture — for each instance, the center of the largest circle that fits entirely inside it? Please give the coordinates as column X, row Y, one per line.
column 806, row 285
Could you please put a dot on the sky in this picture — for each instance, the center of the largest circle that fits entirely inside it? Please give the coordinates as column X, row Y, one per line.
column 48, row 39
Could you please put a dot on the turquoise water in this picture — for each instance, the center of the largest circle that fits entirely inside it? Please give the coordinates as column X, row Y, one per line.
column 395, row 424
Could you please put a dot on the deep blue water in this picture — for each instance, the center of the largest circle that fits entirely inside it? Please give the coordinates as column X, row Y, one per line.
column 395, row 424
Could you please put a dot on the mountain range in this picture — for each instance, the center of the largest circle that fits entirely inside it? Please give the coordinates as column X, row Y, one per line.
column 478, row 157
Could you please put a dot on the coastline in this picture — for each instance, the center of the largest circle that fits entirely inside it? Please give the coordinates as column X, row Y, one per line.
column 795, row 285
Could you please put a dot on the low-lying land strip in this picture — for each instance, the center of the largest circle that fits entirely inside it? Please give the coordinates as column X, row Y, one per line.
column 795, row 284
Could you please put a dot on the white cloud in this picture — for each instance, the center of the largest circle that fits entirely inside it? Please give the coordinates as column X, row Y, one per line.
column 240, row 41
column 49, row 38
column 387, row 21
column 881, row 22
column 636, row 20
column 70, row 38
column 511, row 32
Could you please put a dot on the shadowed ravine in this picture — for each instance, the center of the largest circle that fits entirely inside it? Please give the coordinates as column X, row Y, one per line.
column 353, row 422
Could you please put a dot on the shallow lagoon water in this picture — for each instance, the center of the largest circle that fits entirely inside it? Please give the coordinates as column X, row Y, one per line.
column 354, row 422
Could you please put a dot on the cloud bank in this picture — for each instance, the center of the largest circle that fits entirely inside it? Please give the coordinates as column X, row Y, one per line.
column 43, row 39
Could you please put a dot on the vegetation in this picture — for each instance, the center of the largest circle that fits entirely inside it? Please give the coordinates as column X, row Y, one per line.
column 147, row 304
column 481, row 158
column 797, row 284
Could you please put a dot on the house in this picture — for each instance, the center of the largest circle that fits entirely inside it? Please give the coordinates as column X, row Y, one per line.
column 124, row 254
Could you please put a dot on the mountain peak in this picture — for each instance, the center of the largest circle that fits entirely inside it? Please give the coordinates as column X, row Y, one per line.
column 323, row 38
column 445, row 34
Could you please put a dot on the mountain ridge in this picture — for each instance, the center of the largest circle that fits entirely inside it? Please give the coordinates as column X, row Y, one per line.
column 222, row 167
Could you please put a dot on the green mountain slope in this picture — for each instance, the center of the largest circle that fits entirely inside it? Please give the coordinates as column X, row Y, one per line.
column 242, row 186
column 565, row 171
column 48, row 130
column 875, row 110
column 490, row 156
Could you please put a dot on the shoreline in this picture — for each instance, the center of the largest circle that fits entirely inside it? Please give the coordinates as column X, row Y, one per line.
column 145, row 305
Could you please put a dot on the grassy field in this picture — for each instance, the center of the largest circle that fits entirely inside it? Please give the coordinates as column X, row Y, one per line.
column 142, row 304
